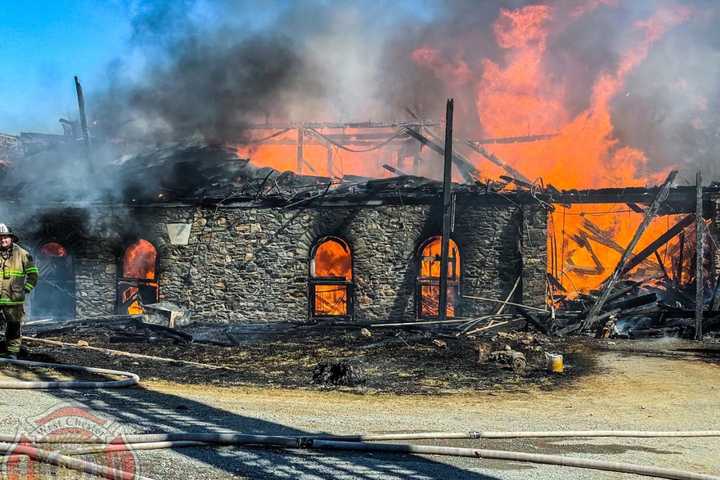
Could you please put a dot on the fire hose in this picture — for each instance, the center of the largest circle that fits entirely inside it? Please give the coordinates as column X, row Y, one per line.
column 9, row 443
column 129, row 380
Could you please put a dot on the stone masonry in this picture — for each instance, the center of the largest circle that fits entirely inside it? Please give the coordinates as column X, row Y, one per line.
column 251, row 264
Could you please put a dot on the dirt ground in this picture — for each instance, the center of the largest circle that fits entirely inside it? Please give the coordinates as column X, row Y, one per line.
column 654, row 385
column 421, row 362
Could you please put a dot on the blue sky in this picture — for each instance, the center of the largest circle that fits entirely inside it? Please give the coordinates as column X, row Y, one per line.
column 44, row 43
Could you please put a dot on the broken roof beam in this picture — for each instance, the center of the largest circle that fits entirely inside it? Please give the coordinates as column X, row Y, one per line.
column 293, row 125
column 394, row 170
column 468, row 171
column 509, row 169
column 519, row 139
column 657, row 243
column 651, row 212
column 334, row 138
column 681, row 199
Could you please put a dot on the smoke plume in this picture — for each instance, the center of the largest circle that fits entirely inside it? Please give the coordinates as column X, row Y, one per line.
column 210, row 72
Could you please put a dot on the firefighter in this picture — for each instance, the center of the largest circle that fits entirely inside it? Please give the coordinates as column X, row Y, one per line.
column 19, row 277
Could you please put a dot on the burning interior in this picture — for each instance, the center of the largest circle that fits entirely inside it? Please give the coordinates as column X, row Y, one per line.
column 246, row 211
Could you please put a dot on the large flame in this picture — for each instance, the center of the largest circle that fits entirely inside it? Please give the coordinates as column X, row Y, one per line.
column 516, row 92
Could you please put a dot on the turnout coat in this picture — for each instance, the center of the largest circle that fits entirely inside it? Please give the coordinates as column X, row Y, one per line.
column 18, row 275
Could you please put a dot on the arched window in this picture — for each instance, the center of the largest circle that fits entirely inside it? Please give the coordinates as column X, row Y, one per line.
column 428, row 288
column 331, row 279
column 138, row 284
column 55, row 294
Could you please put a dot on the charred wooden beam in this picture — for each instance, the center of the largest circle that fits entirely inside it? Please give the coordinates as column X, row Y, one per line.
column 530, row 318
column 584, row 243
column 600, row 236
column 699, row 249
column 681, row 199
column 81, row 110
column 633, row 302
column 649, row 215
column 655, row 244
column 635, row 207
column 394, row 170
column 497, row 161
column 447, row 192
column 662, row 266
column 84, row 123
column 519, row 139
column 681, row 260
column 357, row 143
column 340, row 125
column 468, row 171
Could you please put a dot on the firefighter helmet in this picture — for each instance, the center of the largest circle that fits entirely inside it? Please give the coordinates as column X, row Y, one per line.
column 6, row 231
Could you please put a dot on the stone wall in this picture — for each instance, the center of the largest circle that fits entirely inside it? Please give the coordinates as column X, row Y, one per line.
column 251, row 264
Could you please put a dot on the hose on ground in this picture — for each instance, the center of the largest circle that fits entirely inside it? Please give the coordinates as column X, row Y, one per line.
column 177, row 440
column 234, row 438
column 58, row 459
column 322, row 442
column 549, row 434
column 129, row 380
column 515, row 457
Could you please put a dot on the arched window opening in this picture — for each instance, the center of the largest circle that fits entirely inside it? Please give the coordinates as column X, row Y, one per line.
column 138, row 284
column 55, row 294
column 331, row 279
column 429, row 278
column 53, row 249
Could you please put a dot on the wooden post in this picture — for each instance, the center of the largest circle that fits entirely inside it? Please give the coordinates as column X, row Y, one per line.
column 662, row 266
column 447, row 190
column 681, row 260
column 83, row 122
column 81, row 108
column 299, row 157
column 652, row 210
column 699, row 249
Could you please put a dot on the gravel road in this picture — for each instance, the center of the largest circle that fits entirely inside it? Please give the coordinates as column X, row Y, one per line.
column 630, row 391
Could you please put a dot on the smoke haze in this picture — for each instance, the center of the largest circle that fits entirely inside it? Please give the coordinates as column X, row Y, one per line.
column 208, row 73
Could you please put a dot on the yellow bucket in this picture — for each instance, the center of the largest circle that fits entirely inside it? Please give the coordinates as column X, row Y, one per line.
column 555, row 363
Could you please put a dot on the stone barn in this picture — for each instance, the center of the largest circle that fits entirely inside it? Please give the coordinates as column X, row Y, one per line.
column 196, row 226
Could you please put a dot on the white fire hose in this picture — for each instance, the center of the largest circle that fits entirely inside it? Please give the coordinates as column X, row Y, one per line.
column 9, row 445
column 129, row 380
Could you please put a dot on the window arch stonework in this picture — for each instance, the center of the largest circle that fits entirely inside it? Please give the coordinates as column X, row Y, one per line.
column 331, row 278
column 428, row 279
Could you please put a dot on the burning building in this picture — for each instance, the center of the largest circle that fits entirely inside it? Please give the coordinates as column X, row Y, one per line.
column 234, row 242
column 335, row 236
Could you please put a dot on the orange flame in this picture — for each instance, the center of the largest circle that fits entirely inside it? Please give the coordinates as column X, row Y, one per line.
column 53, row 249
column 517, row 94
column 139, row 260
column 332, row 261
column 430, row 262
column 522, row 96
